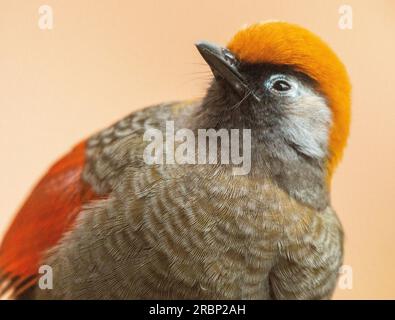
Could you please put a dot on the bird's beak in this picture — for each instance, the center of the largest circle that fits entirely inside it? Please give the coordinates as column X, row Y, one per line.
column 223, row 64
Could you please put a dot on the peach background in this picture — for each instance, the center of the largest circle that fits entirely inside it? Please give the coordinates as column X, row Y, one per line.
column 104, row 59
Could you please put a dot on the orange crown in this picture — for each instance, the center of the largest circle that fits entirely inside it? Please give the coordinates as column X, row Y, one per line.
column 288, row 44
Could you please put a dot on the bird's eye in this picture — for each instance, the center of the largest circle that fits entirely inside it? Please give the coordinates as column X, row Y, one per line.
column 281, row 85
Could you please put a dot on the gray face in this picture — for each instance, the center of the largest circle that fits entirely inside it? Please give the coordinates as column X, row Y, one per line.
column 289, row 121
column 288, row 117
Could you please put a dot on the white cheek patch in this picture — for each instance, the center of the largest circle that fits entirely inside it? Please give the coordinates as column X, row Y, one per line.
column 306, row 124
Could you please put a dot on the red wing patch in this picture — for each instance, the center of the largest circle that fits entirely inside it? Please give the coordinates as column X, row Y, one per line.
column 47, row 214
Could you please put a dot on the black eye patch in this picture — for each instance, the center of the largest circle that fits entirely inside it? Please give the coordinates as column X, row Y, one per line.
column 257, row 73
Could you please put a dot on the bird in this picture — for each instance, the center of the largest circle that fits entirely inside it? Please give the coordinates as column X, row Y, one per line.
column 109, row 225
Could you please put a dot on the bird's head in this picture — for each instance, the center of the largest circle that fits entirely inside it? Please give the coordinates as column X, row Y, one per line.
column 286, row 85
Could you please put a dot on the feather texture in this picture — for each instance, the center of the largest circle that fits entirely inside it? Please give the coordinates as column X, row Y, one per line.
column 47, row 214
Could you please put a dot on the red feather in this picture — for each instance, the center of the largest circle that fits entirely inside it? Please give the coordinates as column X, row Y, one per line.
column 47, row 214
